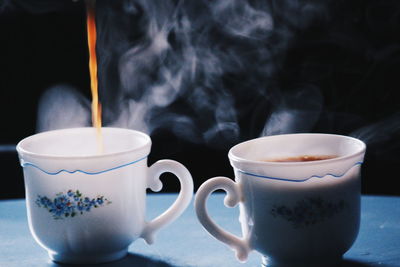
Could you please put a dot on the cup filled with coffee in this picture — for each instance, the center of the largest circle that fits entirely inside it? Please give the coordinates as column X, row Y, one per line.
column 298, row 195
column 86, row 206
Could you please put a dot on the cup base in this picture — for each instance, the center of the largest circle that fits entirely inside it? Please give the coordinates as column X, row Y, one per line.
column 87, row 258
column 270, row 262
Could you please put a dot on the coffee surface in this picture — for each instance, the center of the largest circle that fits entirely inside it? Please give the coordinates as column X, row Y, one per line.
column 302, row 158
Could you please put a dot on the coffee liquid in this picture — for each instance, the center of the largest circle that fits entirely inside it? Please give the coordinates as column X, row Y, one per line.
column 92, row 39
column 302, row 158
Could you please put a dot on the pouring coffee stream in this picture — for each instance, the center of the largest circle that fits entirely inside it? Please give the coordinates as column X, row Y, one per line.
column 96, row 105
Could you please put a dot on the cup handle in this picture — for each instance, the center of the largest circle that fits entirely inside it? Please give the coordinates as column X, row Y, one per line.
column 180, row 204
column 240, row 245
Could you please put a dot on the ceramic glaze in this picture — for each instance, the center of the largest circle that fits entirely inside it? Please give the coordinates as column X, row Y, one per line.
column 85, row 207
column 293, row 213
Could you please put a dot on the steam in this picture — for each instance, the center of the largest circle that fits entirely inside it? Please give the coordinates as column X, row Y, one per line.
column 382, row 136
column 167, row 65
column 239, row 18
column 178, row 58
column 63, row 107
column 294, row 116
column 204, row 70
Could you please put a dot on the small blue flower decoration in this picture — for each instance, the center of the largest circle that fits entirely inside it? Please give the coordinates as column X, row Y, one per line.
column 308, row 211
column 70, row 204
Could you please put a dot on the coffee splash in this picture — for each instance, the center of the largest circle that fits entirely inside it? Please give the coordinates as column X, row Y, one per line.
column 92, row 37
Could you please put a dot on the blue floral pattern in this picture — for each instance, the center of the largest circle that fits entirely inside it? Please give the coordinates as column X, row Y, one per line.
column 70, row 204
column 308, row 211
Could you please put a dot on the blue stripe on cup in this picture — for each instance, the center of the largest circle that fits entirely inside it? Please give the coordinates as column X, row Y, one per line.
column 28, row 164
column 299, row 180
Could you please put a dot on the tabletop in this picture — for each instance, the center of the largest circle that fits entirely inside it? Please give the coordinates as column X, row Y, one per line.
column 185, row 243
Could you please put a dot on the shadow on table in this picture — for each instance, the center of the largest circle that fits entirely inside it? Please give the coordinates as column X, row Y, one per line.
column 354, row 263
column 131, row 260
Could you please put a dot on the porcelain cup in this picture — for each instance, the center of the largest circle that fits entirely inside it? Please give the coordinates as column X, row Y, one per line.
column 86, row 206
column 293, row 213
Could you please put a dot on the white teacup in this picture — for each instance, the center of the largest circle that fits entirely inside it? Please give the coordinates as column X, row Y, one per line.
column 86, row 207
column 293, row 213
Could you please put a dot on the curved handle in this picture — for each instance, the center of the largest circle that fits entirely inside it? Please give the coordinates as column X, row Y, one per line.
column 180, row 204
column 239, row 245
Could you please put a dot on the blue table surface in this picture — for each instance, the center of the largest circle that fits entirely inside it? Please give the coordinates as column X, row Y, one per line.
column 186, row 243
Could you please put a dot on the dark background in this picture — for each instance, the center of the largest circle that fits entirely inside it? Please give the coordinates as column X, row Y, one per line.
column 348, row 52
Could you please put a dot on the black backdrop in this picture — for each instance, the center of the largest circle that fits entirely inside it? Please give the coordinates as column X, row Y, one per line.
column 336, row 64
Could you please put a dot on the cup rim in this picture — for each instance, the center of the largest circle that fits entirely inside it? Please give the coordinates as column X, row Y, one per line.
column 235, row 158
column 23, row 151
